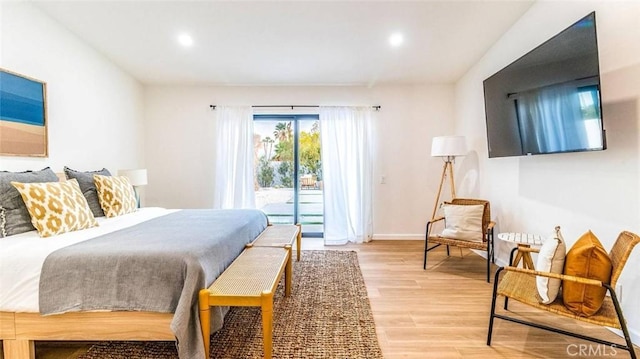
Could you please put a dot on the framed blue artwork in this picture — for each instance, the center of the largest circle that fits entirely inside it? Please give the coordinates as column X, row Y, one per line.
column 23, row 115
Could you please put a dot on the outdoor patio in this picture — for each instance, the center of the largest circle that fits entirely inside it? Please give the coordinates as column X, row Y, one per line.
column 277, row 203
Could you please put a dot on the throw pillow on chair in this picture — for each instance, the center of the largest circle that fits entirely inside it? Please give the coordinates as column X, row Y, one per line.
column 463, row 222
column 587, row 258
column 550, row 259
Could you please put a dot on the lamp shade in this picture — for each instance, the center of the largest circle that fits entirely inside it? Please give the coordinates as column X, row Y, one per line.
column 448, row 146
column 136, row 177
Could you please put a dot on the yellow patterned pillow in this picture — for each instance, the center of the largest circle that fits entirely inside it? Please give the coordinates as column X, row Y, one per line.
column 116, row 195
column 56, row 207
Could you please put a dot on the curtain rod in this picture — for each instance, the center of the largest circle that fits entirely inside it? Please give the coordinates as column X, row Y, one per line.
column 213, row 107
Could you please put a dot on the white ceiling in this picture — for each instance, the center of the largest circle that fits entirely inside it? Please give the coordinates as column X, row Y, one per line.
column 290, row 42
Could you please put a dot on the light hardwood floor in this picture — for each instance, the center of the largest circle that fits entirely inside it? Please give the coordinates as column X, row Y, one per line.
column 443, row 312
column 439, row 313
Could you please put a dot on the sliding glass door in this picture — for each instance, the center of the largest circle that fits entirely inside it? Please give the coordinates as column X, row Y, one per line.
column 288, row 170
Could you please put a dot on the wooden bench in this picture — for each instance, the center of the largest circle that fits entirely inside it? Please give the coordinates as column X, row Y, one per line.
column 280, row 235
column 250, row 281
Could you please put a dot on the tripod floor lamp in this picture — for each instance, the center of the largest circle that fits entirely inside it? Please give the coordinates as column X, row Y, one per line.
column 448, row 148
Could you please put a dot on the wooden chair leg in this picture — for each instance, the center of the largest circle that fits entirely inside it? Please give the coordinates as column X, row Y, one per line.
column 267, row 323
column 288, row 273
column 298, row 241
column 205, row 319
column 517, row 259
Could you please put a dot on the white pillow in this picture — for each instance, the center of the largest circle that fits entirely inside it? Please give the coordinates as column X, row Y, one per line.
column 463, row 222
column 550, row 259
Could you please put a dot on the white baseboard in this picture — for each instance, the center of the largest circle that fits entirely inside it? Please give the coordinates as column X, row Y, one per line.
column 397, row 237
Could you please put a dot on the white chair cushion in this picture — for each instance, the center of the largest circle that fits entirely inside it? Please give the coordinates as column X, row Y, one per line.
column 463, row 222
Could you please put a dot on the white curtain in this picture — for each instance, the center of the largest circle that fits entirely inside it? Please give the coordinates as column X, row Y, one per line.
column 346, row 138
column 551, row 119
column 234, row 157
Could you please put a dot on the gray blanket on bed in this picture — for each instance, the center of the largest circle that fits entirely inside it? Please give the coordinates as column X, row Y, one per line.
column 158, row 266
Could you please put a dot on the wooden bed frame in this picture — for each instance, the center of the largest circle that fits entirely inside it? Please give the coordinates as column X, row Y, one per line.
column 18, row 331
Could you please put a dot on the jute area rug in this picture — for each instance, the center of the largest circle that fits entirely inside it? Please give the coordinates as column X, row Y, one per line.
column 327, row 316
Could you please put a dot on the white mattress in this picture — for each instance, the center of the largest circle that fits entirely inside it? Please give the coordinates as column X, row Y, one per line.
column 22, row 257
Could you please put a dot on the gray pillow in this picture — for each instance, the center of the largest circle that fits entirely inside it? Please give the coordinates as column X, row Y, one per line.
column 14, row 216
column 88, row 187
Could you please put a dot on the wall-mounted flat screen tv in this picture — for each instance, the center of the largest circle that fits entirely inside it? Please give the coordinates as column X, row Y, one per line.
column 548, row 101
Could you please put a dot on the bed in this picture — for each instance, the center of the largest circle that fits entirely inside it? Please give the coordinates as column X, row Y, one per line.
column 127, row 297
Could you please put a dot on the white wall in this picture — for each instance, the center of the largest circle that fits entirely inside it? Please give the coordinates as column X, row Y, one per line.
column 1, row 34
column 578, row 191
column 95, row 110
column 180, row 149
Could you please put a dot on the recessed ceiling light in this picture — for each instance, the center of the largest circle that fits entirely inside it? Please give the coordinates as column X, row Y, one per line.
column 396, row 39
column 185, row 40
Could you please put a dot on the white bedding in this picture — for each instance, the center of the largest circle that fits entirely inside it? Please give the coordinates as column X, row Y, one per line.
column 22, row 257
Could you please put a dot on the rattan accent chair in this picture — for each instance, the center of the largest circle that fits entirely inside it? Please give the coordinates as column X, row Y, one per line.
column 487, row 237
column 520, row 284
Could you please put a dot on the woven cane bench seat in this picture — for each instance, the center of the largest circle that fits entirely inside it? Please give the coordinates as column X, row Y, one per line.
column 256, row 270
column 250, row 281
column 280, row 235
column 522, row 288
column 456, row 242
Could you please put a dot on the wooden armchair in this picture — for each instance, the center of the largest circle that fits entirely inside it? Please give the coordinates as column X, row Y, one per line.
column 520, row 284
column 308, row 181
column 487, row 234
